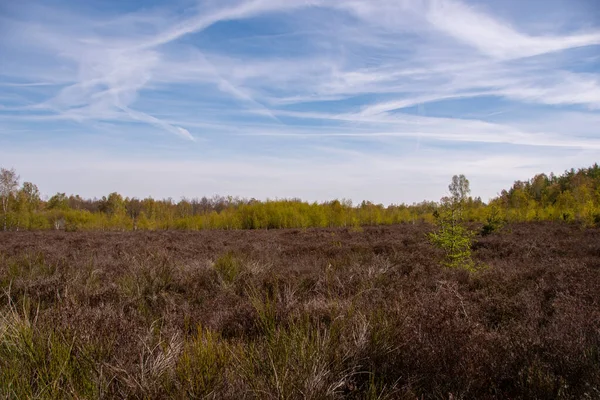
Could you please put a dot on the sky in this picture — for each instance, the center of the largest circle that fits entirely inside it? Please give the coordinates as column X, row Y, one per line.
column 379, row 100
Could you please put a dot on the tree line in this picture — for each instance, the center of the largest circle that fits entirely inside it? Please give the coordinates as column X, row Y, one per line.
column 572, row 196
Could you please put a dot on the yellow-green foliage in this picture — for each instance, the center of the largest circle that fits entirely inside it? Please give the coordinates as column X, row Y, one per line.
column 573, row 196
column 203, row 362
column 456, row 241
column 36, row 364
column 494, row 220
column 229, row 267
column 452, row 236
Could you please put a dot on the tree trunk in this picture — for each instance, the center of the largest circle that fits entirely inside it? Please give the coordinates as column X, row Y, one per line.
column 5, row 209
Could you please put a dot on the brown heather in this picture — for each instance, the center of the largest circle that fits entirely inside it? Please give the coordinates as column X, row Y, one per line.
column 294, row 314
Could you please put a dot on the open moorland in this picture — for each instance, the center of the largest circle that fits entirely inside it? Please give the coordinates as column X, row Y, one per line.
column 315, row 313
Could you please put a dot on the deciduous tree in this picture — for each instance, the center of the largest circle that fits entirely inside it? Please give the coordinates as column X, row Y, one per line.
column 9, row 183
column 452, row 235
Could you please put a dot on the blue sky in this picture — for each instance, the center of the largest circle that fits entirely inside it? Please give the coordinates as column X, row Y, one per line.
column 381, row 100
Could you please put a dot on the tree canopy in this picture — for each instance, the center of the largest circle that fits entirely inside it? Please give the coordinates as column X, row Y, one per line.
column 572, row 196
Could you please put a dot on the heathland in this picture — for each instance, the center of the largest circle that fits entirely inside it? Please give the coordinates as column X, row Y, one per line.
column 125, row 298
column 300, row 313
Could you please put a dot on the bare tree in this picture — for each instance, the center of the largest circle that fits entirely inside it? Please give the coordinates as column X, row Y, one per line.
column 9, row 183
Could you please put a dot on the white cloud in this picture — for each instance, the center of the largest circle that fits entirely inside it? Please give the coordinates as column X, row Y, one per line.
column 496, row 38
column 326, row 73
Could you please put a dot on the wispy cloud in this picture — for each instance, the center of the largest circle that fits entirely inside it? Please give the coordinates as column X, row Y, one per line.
column 496, row 38
column 272, row 77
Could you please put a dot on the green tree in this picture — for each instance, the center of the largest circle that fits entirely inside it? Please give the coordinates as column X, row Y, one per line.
column 59, row 201
column 452, row 236
column 134, row 209
column 27, row 202
column 493, row 220
column 31, row 194
column 113, row 205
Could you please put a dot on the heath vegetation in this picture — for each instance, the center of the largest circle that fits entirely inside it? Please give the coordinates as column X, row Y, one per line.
column 300, row 313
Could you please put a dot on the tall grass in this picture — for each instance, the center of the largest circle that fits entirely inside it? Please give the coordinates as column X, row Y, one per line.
column 42, row 363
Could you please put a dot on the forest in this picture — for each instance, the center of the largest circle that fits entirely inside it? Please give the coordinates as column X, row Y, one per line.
column 573, row 196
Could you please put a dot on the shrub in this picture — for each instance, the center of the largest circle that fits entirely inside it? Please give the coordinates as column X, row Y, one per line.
column 456, row 241
column 229, row 267
column 493, row 222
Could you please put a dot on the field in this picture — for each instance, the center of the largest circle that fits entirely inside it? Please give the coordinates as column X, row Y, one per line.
column 316, row 313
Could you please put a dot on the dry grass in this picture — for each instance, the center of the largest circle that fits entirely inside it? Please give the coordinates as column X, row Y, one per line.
column 294, row 314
